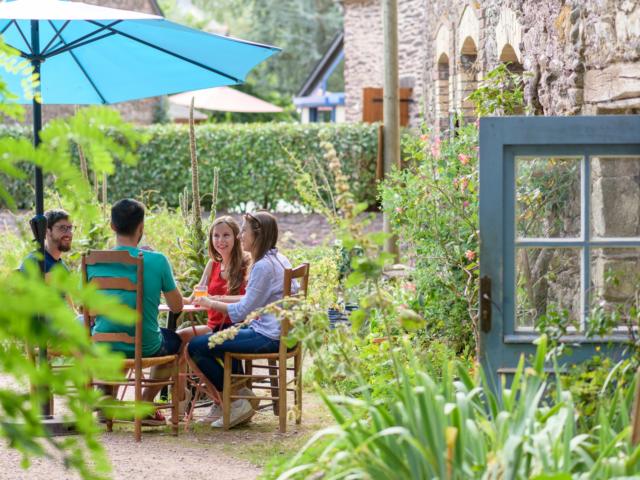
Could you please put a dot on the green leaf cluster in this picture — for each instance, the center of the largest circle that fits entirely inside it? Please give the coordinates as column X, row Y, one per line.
column 35, row 314
column 457, row 427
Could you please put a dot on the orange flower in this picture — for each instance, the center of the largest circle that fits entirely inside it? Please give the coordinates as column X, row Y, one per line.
column 470, row 255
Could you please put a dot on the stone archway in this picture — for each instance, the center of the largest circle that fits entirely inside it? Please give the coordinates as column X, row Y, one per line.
column 442, row 73
column 509, row 36
column 468, row 71
column 442, row 93
column 467, row 78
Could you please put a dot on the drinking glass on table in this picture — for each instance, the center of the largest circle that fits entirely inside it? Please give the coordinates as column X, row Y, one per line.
column 199, row 291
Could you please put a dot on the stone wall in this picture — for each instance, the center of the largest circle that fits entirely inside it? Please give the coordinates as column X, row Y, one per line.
column 581, row 57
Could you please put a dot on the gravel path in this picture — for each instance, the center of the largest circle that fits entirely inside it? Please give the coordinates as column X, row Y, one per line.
column 158, row 456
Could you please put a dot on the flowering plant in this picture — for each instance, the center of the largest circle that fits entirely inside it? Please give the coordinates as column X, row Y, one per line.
column 433, row 204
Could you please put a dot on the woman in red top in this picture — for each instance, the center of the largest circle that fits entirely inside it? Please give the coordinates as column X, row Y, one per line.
column 225, row 275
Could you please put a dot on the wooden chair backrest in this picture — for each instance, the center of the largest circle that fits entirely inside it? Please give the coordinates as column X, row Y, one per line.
column 95, row 257
column 301, row 274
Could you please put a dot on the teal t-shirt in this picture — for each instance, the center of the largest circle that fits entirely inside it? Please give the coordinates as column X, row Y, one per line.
column 158, row 277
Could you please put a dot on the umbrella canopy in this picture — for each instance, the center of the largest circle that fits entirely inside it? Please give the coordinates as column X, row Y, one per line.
column 95, row 55
column 224, row 99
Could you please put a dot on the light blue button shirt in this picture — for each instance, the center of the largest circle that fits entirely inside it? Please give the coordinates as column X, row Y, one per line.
column 265, row 286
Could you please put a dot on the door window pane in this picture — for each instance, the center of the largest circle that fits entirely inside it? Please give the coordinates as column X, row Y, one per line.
column 547, row 283
column 615, row 197
column 615, row 285
column 547, row 197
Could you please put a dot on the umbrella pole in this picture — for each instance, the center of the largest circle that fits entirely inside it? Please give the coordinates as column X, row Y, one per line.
column 39, row 222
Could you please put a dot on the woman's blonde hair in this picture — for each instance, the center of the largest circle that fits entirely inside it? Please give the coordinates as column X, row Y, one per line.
column 265, row 233
column 238, row 261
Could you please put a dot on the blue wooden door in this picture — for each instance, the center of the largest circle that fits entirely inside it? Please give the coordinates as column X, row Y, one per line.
column 559, row 233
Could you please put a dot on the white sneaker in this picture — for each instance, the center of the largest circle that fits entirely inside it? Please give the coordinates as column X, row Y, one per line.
column 241, row 411
column 215, row 412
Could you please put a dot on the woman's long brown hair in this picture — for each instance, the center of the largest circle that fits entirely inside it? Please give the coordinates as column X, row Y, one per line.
column 265, row 233
column 238, row 261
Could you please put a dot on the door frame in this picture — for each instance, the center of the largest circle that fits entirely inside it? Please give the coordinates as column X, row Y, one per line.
column 501, row 139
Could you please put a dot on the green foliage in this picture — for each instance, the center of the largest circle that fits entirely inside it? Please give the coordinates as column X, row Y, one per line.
column 456, row 427
column 35, row 313
column 303, row 29
column 433, row 205
column 254, row 161
column 500, row 93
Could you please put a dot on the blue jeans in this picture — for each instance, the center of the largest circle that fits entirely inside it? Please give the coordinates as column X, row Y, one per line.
column 171, row 343
column 247, row 341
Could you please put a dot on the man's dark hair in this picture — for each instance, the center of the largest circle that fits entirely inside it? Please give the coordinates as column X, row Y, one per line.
column 54, row 216
column 126, row 215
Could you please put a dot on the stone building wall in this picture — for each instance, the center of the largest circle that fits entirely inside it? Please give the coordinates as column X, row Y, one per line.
column 141, row 111
column 581, row 57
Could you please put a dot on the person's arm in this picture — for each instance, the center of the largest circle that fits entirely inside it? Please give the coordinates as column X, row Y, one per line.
column 256, row 296
column 172, row 294
column 204, row 280
column 226, row 298
column 174, row 300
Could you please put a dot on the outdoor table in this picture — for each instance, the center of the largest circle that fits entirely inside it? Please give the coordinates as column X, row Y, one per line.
column 173, row 317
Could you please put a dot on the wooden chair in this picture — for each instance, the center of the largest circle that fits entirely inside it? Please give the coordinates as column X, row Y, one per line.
column 138, row 363
column 276, row 367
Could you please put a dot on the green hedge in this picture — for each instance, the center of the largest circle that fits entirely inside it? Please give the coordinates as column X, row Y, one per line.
column 254, row 161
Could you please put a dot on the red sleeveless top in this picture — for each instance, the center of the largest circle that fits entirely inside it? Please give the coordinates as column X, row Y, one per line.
column 218, row 286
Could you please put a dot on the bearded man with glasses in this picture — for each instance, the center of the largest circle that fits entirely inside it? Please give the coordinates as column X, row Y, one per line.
column 57, row 240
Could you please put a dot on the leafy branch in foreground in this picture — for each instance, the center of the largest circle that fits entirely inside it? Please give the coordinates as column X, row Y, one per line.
column 26, row 298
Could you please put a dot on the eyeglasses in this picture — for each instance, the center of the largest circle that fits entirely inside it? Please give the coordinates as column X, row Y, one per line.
column 64, row 228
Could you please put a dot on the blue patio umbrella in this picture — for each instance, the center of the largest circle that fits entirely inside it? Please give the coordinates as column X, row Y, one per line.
column 87, row 54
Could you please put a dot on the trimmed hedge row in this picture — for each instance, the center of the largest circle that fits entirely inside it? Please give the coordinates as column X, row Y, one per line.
column 254, row 161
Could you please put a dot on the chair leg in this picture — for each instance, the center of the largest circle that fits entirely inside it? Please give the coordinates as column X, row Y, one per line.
column 226, row 392
column 138, row 398
column 248, row 367
column 175, row 397
column 297, row 371
column 282, row 395
column 51, row 404
column 274, row 387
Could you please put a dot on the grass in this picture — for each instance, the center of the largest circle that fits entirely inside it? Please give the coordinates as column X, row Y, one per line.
column 266, row 446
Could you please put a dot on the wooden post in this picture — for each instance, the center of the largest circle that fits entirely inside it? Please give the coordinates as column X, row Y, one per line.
column 391, row 105
column 380, row 156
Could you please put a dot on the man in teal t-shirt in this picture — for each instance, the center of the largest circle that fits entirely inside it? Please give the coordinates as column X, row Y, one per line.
column 127, row 221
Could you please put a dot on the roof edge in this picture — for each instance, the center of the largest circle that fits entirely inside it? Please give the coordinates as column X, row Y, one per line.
column 336, row 46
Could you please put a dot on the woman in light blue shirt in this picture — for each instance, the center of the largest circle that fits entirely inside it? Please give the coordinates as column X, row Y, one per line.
column 259, row 235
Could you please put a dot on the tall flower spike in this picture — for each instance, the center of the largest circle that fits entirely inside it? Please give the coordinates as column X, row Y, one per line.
column 195, row 187
column 214, row 194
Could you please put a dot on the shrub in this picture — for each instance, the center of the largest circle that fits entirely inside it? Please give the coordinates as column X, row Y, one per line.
column 255, row 162
column 433, row 206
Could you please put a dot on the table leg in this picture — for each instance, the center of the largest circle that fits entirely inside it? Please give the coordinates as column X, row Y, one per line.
column 172, row 324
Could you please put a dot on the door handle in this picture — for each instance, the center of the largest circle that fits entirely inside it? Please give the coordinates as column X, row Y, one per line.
column 485, row 304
